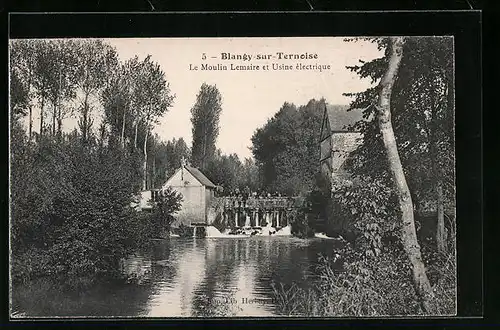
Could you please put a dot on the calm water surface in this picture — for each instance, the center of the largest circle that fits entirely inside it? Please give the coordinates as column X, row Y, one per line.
column 188, row 278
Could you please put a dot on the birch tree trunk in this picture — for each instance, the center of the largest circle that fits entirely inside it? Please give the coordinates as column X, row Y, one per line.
column 54, row 115
column 437, row 180
column 30, row 129
column 153, row 183
column 122, row 137
column 85, row 116
column 408, row 231
column 30, row 108
column 135, row 137
column 144, row 165
column 41, row 115
column 441, row 229
column 59, row 123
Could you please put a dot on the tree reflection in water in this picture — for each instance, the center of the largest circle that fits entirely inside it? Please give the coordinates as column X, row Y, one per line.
column 189, row 277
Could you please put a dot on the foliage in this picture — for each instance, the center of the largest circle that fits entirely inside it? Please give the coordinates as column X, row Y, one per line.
column 205, row 119
column 422, row 116
column 370, row 286
column 166, row 159
column 185, row 231
column 286, row 148
column 363, row 206
column 229, row 172
column 72, row 207
column 71, row 192
column 302, row 224
column 376, row 279
column 161, row 217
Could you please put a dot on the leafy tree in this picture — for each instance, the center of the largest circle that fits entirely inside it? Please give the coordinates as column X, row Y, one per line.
column 168, row 203
column 95, row 60
column 22, row 64
column 19, row 100
column 286, row 148
column 380, row 135
column 152, row 97
column 205, row 120
column 41, row 77
column 423, row 117
column 250, row 176
column 61, row 79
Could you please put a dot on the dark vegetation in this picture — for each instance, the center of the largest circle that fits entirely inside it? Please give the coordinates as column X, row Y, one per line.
column 71, row 193
column 362, row 206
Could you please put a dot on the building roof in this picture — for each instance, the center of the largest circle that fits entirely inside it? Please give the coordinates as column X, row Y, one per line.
column 199, row 176
column 339, row 118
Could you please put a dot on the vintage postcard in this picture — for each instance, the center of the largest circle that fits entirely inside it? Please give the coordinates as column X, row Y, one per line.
column 228, row 177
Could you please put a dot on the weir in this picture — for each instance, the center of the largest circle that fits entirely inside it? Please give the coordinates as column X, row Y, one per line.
column 237, row 216
column 255, row 212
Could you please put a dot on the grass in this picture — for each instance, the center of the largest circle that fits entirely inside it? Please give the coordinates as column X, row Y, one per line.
column 368, row 288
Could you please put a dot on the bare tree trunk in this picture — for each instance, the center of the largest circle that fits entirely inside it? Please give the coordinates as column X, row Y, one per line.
column 153, row 181
column 437, row 180
column 144, row 166
column 135, row 137
column 54, row 115
column 85, row 117
column 30, row 129
column 59, row 123
column 41, row 115
column 408, row 231
column 441, row 229
column 122, row 138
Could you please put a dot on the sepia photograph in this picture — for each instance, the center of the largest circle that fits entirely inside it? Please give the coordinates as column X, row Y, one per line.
column 232, row 177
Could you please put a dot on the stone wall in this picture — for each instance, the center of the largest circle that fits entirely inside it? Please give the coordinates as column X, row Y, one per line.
column 342, row 145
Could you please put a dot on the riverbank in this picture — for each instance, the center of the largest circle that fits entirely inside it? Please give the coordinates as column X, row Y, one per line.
column 369, row 288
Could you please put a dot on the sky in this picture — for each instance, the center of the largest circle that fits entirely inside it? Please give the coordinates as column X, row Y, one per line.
column 249, row 98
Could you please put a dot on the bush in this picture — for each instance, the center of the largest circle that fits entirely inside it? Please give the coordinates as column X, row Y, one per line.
column 302, row 223
column 160, row 220
column 368, row 285
column 71, row 215
column 185, row 231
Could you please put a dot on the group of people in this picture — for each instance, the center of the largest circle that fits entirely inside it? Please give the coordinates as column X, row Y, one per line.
column 247, row 193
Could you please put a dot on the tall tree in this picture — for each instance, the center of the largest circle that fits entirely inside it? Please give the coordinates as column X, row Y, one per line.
column 116, row 100
column 286, row 147
column 422, row 117
column 43, row 59
column 205, row 116
column 22, row 67
column 61, row 79
column 152, row 98
column 408, row 234
column 95, row 60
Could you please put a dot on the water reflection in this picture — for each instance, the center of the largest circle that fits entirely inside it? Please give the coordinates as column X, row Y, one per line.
column 191, row 277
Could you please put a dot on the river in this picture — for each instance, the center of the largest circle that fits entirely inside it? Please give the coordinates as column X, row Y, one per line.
column 188, row 277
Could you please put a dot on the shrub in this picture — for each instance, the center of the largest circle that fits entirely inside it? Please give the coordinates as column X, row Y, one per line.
column 302, row 223
column 185, row 231
column 161, row 217
column 71, row 214
column 368, row 285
